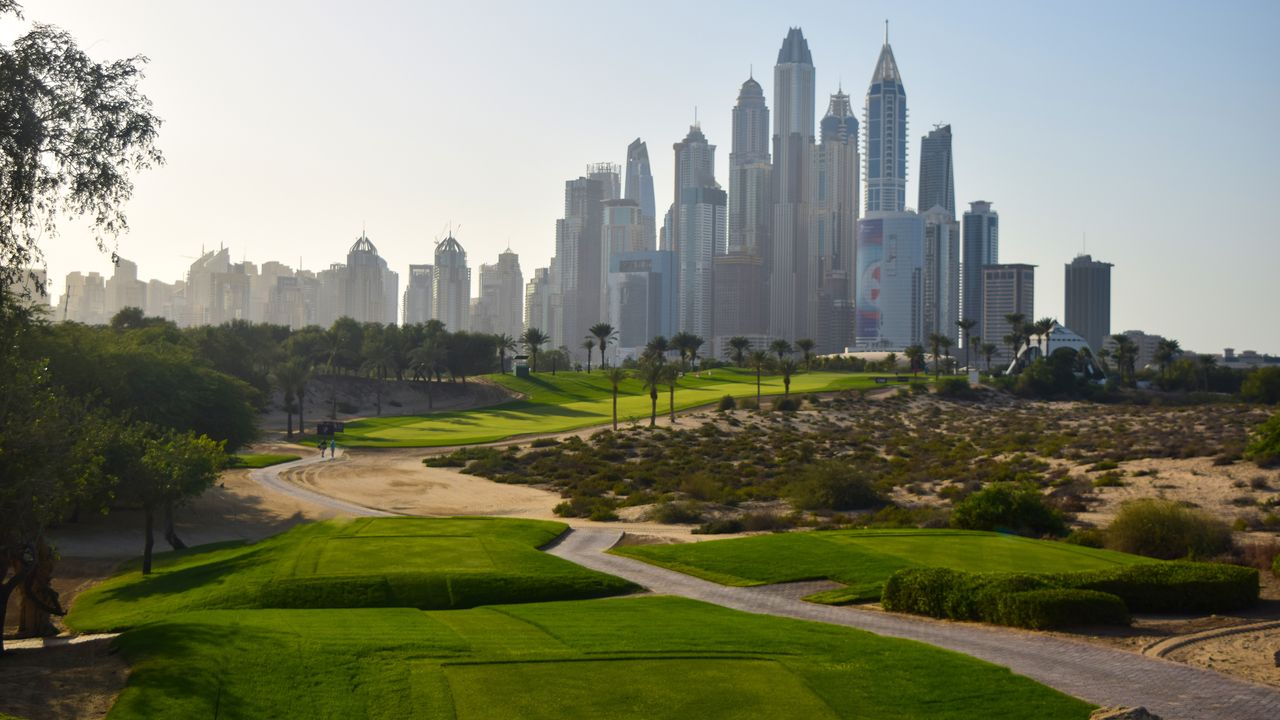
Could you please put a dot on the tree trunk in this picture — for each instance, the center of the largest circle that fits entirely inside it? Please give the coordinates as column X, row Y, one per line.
column 672, row 398
column 653, row 410
column 12, row 563
column 171, row 535
column 615, row 409
column 289, row 415
column 302, row 425
column 148, row 539
column 39, row 600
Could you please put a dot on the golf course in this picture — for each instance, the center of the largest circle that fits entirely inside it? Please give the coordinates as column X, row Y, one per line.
column 328, row 620
column 573, row 400
column 864, row 559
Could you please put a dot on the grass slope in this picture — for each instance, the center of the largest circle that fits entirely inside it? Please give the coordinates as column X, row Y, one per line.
column 370, row 562
column 259, row 461
column 864, row 559
column 649, row 657
column 571, row 400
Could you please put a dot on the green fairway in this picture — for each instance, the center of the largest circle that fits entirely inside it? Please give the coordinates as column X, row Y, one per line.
column 382, row 562
column 571, row 400
column 259, row 461
column 628, row 658
column 864, row 559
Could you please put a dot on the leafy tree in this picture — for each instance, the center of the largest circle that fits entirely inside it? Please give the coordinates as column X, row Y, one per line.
column 1262, row 385
column 780, row 348
column 966, row 326
column 469, row 354
column 835, row 485
column 915, row 358
column 174, row 467
column 603, row 333
column 758, row 360
column 805, row 345
column 1013, row 507
column 72, row 132
column 788, row 368
column 533, row 339
column 737, row 349
column 615, row 375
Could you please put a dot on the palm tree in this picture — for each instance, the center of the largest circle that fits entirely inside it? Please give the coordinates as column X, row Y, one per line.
column 588, row 344
column 1126, row 355
column 657, row 349
column 738, row 347
column 533, row 339
column 935, row 349
column 505, row 344
column 1166, row 351
column 1042, row 328
column 1014, row 338
column 788, row 368
column 670, row 375
column 805, row 345
column 292, row 377
column 615, row 376
column 681, row 342
column 966, row 326
column 603, row 333
column 988, row 351
column 652, row 374
column 1207, row 364
column 695, row 344
column 780, row 347
column 946, row 353
column 758, row 359
column 915, row 356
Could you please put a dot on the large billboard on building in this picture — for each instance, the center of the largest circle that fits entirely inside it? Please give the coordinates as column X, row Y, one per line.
column 870, row 256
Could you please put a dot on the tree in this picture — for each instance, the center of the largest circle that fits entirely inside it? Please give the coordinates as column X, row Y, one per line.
column 695, row 344
column 1207, row 364
column 657, row 349
column 603, row 333
column 1126, row 356
column 805, row 346
column 588, row 344
column 936, row 341
column 671, row 376
column 72, row 133
column 174, row 468
column 1041, row 330
column 788, row 368
column 682, row 342
column 758, row 360
column 533, row 340
column 780, row 348
column 652, row 374
column 506, row 344
column 915, row 357
column 615, row 375
column 1167, row 350
column 966, row 326
column 738, row 347
column 988, row 351
column 1262, row 385
column 291, row 377
column 1016, row 331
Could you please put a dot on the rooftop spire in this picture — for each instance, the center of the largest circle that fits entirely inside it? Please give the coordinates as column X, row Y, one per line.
column 886, row 31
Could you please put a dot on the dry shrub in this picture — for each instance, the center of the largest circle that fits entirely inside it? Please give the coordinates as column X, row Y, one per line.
column 1167, row 530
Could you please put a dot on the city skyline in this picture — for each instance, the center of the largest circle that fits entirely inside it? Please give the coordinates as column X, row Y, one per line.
column 1027, row 152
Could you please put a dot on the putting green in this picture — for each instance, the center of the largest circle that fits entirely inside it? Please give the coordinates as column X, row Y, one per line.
column 568, row 401
column 864, row 559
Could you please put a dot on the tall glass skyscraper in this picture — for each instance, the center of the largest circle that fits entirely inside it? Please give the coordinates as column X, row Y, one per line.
column 749, row 171
column 886, row 127
column 639, row 187
column 981, row 247
column 937, row 181
column 793, row 98
column 832, row 228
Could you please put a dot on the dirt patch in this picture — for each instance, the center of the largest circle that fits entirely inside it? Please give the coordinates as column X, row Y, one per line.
column 61, row 683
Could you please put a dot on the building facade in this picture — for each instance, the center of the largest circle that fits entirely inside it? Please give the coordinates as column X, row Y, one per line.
column 451, row 286
column 886, row 128
column 793, row 123
column 641, row 300
column 417, row 295
column 499, row 310
column 941, row 274
column 832, row 236
column 980, row 247
column 1006, row 289
column 1087, row 306
column 937, row 178
column 890, row 306
column 639, row 188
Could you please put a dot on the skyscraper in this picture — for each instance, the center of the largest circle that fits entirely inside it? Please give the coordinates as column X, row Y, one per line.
column 578, row 266
column 1087, row 308
column 367, row 280
column 639, row 187
column 417, row 295
column 499, row 309
column 698, row 231
column 124, row 289
column 749, row 171
column 941, row 289
column 833, row 229
column 937, row 181
column 624, row 230
column 1006, row 289
column 641, row 299
column 537, row 302
column 451, row 286
column 793, row 98
column 981, row 247
column 886, row 127
column 890, row 309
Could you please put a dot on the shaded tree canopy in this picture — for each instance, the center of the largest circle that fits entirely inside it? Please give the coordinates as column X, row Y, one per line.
column 72, row 130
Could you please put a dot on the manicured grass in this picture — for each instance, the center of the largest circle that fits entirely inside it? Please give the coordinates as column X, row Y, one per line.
column 647, row 657
column 571, row 400
column 259, row 461
column 370, row 562
column 864, row 559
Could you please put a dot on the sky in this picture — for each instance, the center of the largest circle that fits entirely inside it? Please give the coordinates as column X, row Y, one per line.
column 1142, row 132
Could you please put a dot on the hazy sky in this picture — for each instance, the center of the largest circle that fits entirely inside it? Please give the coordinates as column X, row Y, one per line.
column 1149, row 126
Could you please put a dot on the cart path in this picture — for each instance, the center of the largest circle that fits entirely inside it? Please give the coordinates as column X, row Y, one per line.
column 1096, row 674
column 270, row 477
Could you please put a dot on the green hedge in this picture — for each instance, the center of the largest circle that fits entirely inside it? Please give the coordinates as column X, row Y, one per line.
column 1070, row 598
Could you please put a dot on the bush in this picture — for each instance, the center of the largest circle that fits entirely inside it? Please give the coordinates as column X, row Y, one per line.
column 544, row 442
column 956, row 388
column 1009, row 507
column 749, row 404
column 1264, row 446
column 786, row 404
column 1175, row 586
column 727, row 403
column 1166, row 530
column 1059, row 607
column 1087, row 537
column 676, row 513
column 1262, row 386
column 835, row 485
column 1275, row 566
column 1111, row 478
column 719, row 526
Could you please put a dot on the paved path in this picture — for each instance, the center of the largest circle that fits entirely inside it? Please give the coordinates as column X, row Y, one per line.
column 1094, row 673
column 270, row 477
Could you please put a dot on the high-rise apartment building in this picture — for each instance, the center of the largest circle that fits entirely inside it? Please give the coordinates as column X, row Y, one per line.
column 639, row 188
column 941, row 291
column 937, row 180
column 368, row 297
column 886, row 128
column 739, row 279
column 1006, row 289
column 641, row 300
column 624, row 230
column 980, row 247
column 417, row 295
column 1087, row 308
column 451, row 285
column 538, row 310
column 578, row 266
column 697, row 232
column 84, row 299
column 890, row 307
column 749, row 173
column 124, row 289
column 793, row 106
column 500, row 307
column 832, row 235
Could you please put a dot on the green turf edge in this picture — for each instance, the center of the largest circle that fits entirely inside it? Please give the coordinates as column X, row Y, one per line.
column 255, row 461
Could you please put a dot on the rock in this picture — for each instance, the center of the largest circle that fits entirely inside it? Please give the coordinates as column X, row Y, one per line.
column 1122, row 713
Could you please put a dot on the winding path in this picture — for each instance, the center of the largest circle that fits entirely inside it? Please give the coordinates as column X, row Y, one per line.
column 1097, row 674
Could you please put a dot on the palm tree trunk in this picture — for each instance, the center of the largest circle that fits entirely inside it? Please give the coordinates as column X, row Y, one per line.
column 757, row 387
column 148, row 540
column 653, row 410
column 289, row 414
column 615, row 408
column 672, row 397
